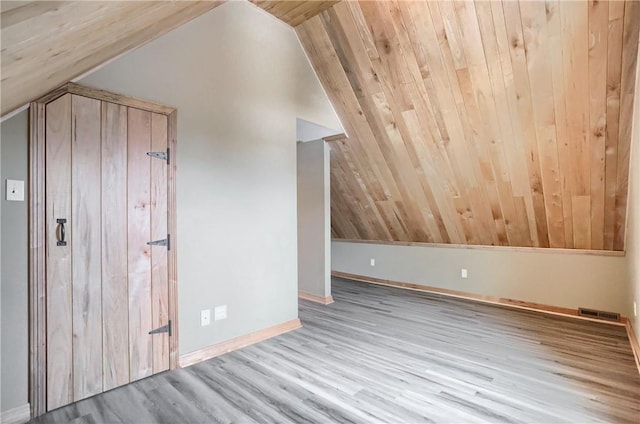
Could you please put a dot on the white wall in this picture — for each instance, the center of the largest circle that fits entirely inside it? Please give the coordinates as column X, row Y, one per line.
column 239, row 79
column 314, row 219
column 568, row 280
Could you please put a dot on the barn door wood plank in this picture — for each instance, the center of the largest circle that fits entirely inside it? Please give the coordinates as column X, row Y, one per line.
column 86, row 247
column 58, row 270
column 159, row 276
column 115, row 309
column 139, row 253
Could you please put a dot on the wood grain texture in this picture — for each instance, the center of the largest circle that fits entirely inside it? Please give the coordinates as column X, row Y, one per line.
column 294, row 12
column 115, row 295
column 493, row 300
column 91, row 176
column 479, row 123
column 627, row 91
column 37, row 260
column 48, row 44
column 59, row 289
column 385, row 355
column 172, row 226
column 159, row 254
column 86, row 246
column 139, row 253
column 121, row 99
column 491, row 248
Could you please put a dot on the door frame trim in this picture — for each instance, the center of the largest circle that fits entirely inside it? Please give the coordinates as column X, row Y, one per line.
column 37, row 254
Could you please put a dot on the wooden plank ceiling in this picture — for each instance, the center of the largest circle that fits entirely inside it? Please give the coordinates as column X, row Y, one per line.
column 294, row 12
column 48, row 43
column 483, row 123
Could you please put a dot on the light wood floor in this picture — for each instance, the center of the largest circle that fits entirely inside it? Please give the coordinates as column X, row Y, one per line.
column 381, row 354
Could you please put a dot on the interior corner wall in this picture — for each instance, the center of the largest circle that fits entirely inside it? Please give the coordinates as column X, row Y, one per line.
column 632, row 245
column 239, row 79
column 13, row 276
column 314, row 225
column 568, row 280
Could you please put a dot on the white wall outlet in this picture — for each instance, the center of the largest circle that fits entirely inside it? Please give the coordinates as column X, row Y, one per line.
column 15, row 190
column 635, row 309
column 205, row 317
column 373, row 262
column 463, row 273
column 220, row 312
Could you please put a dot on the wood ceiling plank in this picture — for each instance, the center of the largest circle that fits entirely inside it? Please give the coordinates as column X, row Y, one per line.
column 536, row 38
column 575, row 24
column 520, row 180
column 45, row 46
column 614, row 75
column 627, row 89
column 292, row 12
column 525, row 111
column 478, row 122
column 598, row 49
column 491, row 140
column 505, row 151
column 458, row 129
column 433, row 96
column 555, row 52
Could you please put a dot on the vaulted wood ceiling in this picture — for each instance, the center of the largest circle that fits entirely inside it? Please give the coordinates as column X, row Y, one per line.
column 493, row 123
column 294, row 12
column 497, row 123
column 48, row 43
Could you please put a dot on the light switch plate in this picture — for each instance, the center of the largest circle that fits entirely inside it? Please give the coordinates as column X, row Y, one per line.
column 220, row 312
column 15, row 190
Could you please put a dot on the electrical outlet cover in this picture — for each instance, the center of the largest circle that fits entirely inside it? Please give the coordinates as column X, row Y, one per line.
column 205, row 317
column 15, row 190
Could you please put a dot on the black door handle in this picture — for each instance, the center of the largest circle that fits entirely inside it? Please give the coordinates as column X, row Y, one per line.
column 61, row 233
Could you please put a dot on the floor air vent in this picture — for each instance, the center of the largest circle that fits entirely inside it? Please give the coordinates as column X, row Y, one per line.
column 592, row 313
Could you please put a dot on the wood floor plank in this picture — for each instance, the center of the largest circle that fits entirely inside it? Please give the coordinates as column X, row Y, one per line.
column 386, row 355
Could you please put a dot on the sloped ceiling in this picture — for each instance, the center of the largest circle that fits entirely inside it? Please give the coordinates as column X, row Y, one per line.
column 481, row 123
column 294, row 12
column 48, row 43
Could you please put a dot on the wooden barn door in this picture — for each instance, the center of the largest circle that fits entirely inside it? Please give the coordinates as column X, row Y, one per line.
column 107, row 244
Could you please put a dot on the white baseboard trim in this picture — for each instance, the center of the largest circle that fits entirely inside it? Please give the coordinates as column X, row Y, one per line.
column 18, row 415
